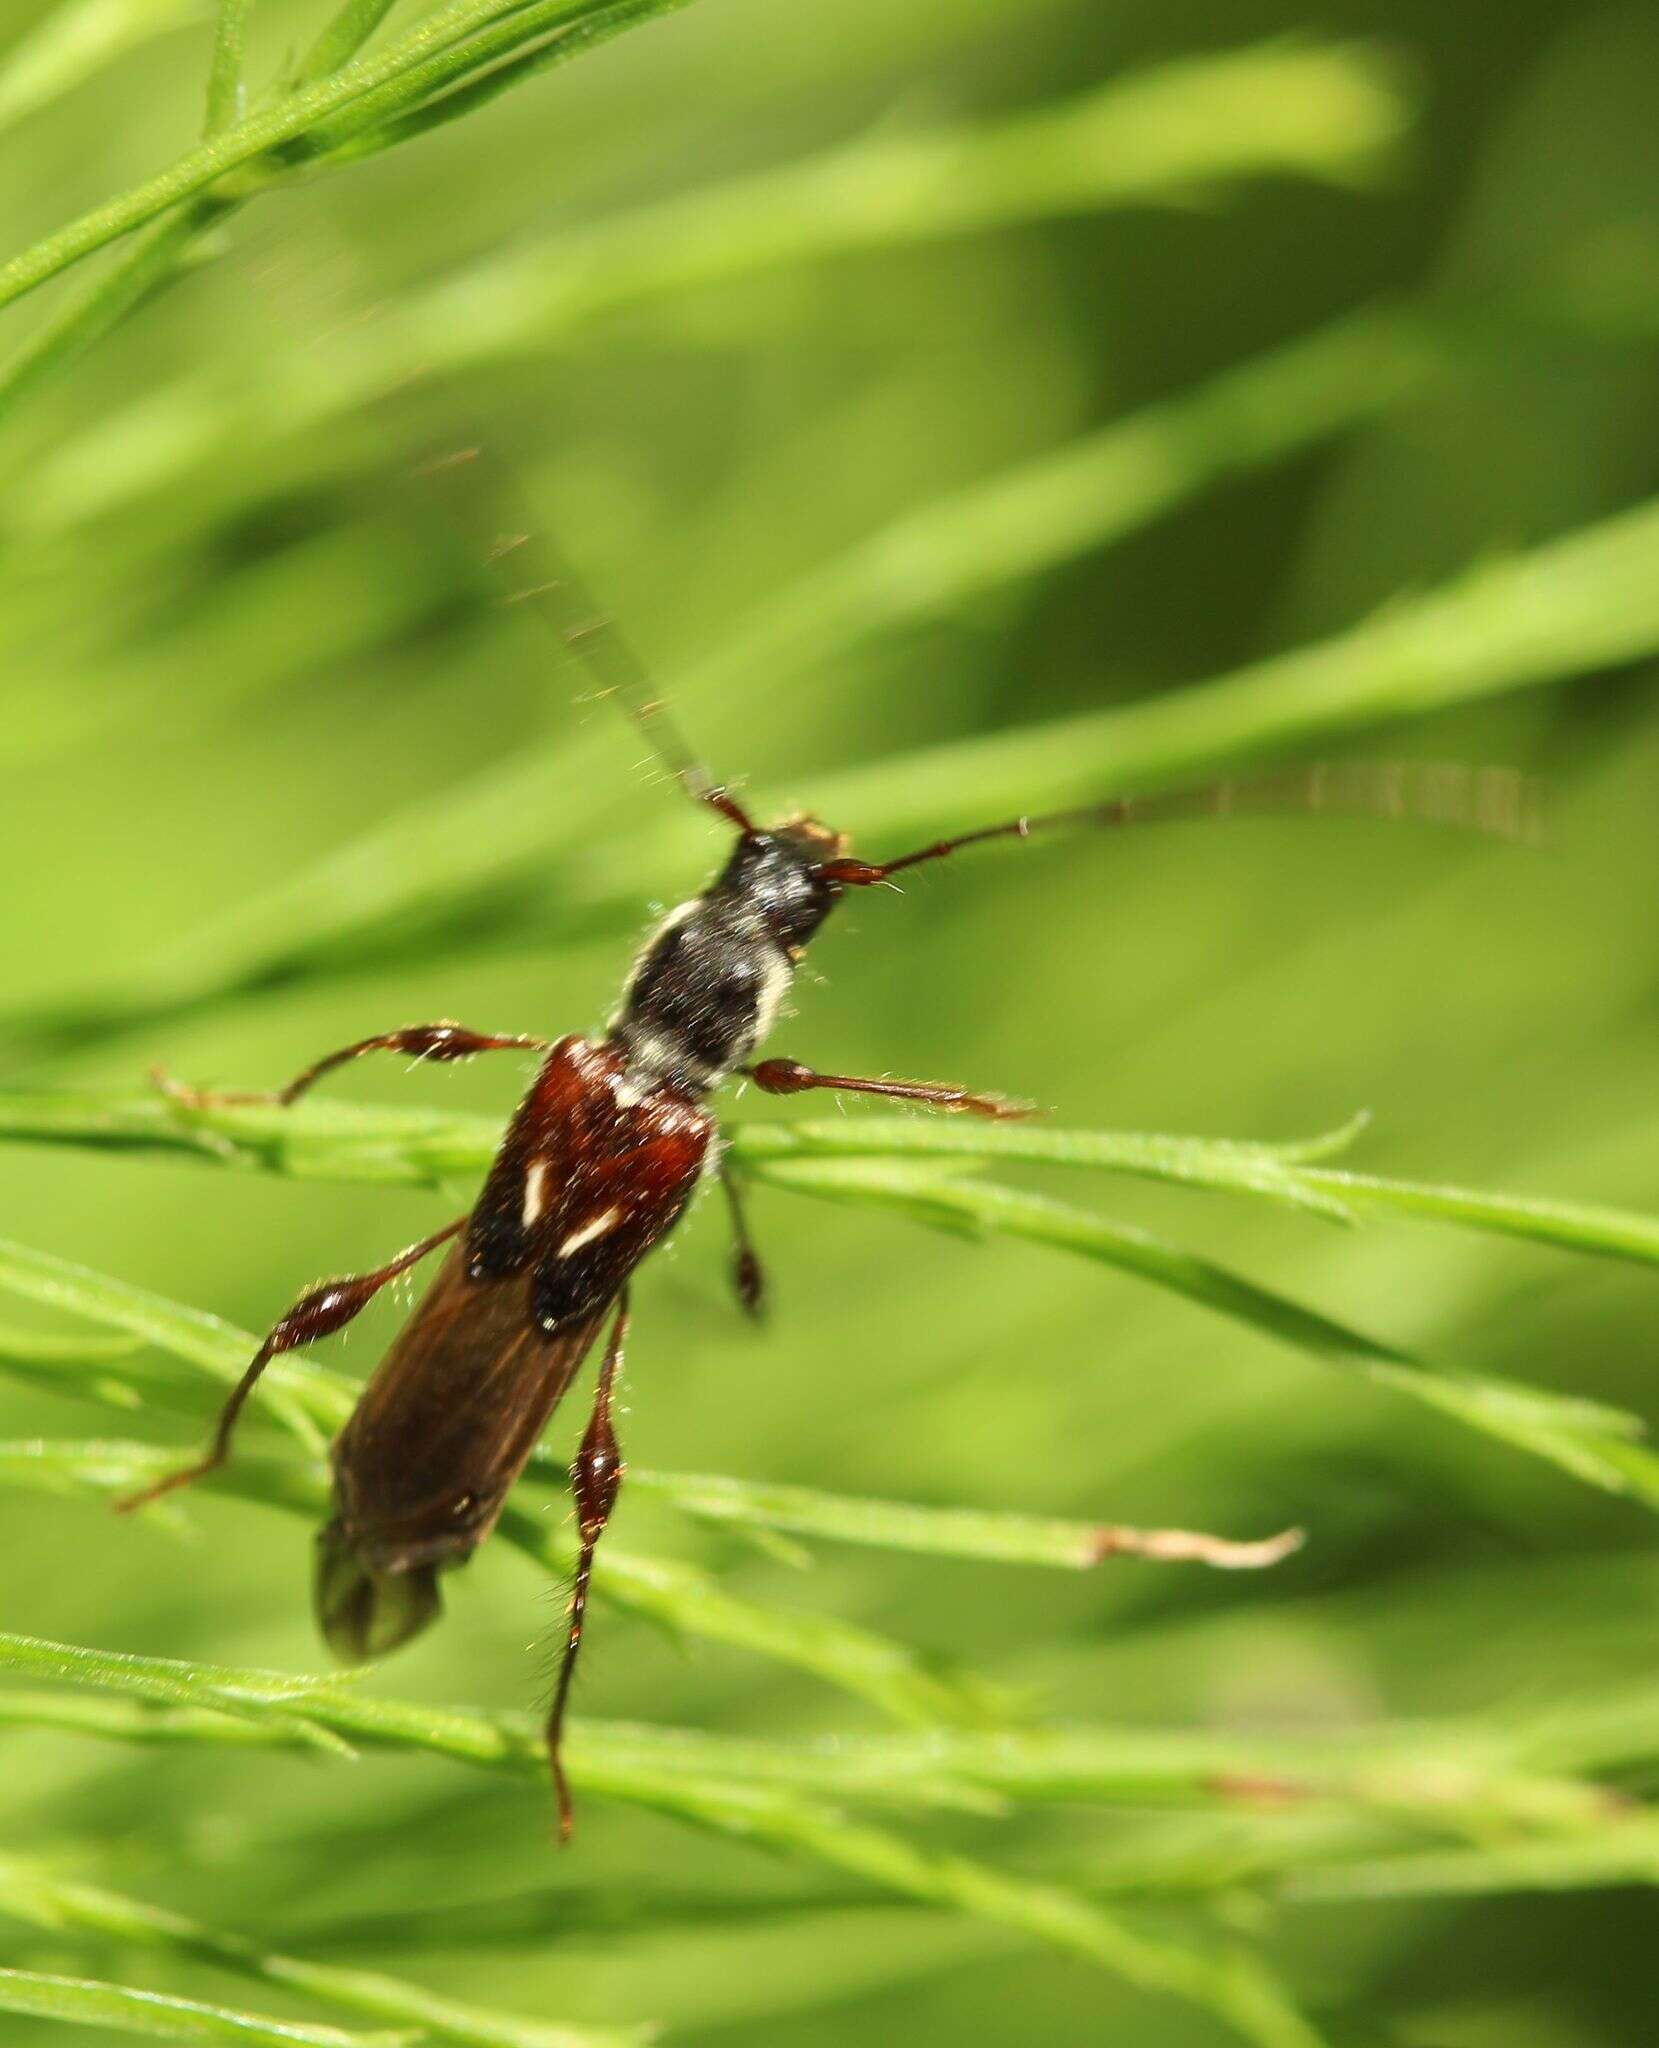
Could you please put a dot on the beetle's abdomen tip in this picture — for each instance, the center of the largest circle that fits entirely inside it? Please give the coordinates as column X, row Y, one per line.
column 363, row 1613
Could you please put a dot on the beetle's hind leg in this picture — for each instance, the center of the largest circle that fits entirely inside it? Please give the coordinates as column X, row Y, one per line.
column 595, row 1480
column 317, row 1313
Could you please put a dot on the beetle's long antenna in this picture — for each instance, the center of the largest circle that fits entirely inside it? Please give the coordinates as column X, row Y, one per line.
column 1499, row 802
column 536, row 574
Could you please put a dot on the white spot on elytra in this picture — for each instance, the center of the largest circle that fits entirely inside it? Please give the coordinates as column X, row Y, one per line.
column 535, row 1183
column 589, row 1231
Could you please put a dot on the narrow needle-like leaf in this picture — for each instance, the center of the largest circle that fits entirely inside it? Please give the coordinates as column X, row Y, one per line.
column 32, row 1893
column 116, row 2009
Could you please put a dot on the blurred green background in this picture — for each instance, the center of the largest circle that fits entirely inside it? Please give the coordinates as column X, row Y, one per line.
column 248, row 676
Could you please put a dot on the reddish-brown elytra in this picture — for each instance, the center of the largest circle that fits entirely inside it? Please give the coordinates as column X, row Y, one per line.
column 603, row 1155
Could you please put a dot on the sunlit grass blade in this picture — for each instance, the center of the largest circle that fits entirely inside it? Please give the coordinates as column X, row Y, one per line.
column 1199, row 126
column 158, row 253
column 32, row 1893
column 1586, row 601
column 1226, row 1981
column 306, row 1397
column 890, row 1675
column 425, row 1148
column 77, row 39
column 113, row 2008
column 1624, row 1853
column 319, row 1140
column 946, row 1532
column 451, row 41
column 1594, row 1443
column 113, row 1370
column 1459, row 1779
column 678, row 1597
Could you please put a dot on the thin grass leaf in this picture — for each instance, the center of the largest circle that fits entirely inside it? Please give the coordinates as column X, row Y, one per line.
column 161, row 251
column 945, row 1532
column 890, row 1675
column 686, row 1601
column 1587, row 601
column 1592, row 1442
column 1464, row 1779
column 76, row 40
column 34, row 1894
column 1198, row 126
column 498, row 831
column 1624, row 1853
column 225, row 87
column 310, row 1400
column 130, row 1721
column 112, row 1370
column 1570, row 1226
column 1225, row 1981
column 351, row 27
column 158, row 2017
column 426, row 1148
column 456, row 38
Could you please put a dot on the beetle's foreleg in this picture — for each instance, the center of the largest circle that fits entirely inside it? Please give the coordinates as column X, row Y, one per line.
column 443, row 1041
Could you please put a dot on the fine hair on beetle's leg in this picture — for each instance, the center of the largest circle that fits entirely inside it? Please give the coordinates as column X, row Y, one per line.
column 318, row 1313
column 789, row 1077
column 595, row 1481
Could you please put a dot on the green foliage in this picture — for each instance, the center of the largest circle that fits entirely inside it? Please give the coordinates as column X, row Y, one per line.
column 967, row 423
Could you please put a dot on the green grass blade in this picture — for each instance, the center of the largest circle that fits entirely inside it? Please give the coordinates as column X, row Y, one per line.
column 160, row 252
column 225, row 87
column 1592, row 1442
column 1586, row 601
column 890, row 1675
column 1225, row 1981
column 425, row 1148
column 158, row 2017
column 920, row 1691
column 1570, row 1226
column 1466, row 1780
column 310, row 1400
column 75, row 41
column 1333, row 112
column 1624, row 1853
column 943, row 1532
column 453, row 39
column 38, row 1896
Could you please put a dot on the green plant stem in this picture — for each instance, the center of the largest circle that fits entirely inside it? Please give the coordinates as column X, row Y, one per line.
column 1594, row 1443
column 162, row 251
column 322, row 1140
column 455, row 37
column 34, row 1894
column 224, row 78
column 1218, row 1978
column 85, row 2003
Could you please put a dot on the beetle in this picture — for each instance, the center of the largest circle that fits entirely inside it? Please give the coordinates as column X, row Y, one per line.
column 601, row 1160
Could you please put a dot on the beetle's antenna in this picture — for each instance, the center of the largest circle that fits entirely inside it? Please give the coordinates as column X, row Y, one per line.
column 1502, row 803
column 536, row 574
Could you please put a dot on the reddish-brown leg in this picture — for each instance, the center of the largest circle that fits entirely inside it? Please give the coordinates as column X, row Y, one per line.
column 789, row 1077
column 442, row 1041
column 316, row 1314
column 748, row 1277
column 595, row 1480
